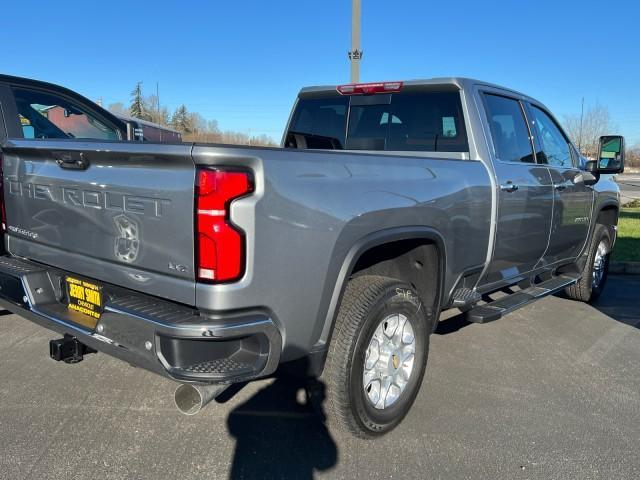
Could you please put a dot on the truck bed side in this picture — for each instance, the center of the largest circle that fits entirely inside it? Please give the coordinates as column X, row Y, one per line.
column 311, row 208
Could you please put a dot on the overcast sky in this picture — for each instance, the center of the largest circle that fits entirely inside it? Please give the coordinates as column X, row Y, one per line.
column 242, row 62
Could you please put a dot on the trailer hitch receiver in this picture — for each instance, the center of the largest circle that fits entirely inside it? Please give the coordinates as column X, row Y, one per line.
column 68, row 349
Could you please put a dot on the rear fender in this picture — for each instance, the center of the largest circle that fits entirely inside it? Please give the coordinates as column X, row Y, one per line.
column 334, row 287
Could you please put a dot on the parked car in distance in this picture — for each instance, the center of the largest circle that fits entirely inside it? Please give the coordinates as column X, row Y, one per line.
column 214, row 264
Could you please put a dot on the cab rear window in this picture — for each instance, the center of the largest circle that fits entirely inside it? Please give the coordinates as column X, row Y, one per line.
column 407, row 121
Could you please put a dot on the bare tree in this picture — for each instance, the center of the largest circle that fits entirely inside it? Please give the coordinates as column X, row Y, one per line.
column 586, row 131
column 157, row 113
column 632, row 156
column 118, row 108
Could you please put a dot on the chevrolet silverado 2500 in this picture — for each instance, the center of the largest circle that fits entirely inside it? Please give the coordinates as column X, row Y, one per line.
column 214, row 264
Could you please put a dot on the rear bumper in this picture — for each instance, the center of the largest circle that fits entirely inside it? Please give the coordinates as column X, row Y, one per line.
column 166, row 338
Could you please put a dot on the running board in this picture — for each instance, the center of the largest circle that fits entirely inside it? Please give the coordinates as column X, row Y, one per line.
column 499, row 308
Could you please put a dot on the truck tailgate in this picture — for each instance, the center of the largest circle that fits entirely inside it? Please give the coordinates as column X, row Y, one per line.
column 117, row 212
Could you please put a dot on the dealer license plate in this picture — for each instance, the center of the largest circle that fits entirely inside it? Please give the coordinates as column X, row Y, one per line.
column 86, row 298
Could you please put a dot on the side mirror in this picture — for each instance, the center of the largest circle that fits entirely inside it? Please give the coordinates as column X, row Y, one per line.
column 610, row 154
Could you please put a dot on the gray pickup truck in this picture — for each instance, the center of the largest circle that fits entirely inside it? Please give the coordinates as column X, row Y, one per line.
column 386, row 204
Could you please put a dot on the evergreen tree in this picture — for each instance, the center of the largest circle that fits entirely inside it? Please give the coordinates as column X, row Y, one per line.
column 181, row 120
column 138, row 108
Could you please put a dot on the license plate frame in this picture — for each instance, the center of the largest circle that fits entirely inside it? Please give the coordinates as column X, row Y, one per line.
column 86, row 298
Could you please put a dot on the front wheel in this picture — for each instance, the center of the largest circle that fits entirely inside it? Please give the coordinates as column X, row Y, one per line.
column 596, row 269
column 377, row 356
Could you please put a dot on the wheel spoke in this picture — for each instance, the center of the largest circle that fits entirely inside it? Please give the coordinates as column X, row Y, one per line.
column 407, row 351
column 393, row 392
column 407, row 334
column 373, row 354
column 407, row 366
column 384, row 390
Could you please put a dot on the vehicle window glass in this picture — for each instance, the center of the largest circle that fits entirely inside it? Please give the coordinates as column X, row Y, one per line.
column 45, row 115
column 319, row 123
column 418, row 121
column 555, row 148
column 368, row 127
column 428, row 121
column 508, row 129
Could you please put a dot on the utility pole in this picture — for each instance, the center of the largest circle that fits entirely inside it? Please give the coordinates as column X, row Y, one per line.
column 355, row 55
column 581, row 118
column 158, row 97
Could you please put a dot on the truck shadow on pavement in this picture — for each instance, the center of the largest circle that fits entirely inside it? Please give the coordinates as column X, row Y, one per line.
column 620, row 299
column 279, row 433
column 452, row 324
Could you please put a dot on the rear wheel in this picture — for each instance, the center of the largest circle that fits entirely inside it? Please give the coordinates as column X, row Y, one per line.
column 596, row 269
column 377, row 356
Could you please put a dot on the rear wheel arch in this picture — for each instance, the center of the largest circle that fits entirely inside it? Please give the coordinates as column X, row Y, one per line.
column 361, row 259
column 415, row 261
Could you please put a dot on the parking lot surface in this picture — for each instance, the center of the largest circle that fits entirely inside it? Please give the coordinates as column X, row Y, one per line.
column 550, row 391
column 629, row 187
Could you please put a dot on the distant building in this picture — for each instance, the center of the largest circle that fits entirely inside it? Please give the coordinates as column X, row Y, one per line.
column 152, row 132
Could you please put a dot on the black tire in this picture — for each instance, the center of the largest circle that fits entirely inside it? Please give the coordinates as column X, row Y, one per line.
column 585, row 290
column 367, row 301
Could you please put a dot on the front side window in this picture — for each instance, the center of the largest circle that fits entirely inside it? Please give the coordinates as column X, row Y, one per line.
column 555, row 148
column 508, row 129
column 45, row 115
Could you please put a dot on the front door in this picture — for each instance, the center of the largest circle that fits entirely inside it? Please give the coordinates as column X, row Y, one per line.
column 573, row 199
column 525, row 193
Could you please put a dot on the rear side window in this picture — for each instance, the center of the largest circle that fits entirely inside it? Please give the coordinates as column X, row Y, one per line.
column 46, row 115
column 508, row 129
column 407, row 121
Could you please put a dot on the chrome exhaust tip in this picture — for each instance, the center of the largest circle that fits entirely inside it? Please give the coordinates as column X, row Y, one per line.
column 190, row 399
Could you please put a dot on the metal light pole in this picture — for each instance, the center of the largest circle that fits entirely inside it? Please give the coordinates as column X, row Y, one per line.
column 581, row 118
column 355, row 55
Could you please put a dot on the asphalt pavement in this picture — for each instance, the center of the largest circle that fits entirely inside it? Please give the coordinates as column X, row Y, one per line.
column 551, row 391
column 629, row 186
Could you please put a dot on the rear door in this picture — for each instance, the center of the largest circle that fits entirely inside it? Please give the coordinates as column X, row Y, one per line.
column 525, row 192
column 118, row 212
column 573, row 199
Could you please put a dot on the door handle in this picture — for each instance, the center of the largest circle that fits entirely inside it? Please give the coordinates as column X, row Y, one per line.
column 71, row 160
column 509, row 187
column 560, row 186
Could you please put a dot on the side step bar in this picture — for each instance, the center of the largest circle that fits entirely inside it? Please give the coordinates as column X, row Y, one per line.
column 499, row 308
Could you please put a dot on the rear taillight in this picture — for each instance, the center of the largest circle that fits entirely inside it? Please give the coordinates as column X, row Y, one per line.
column 220, row 245
column 4, row 211
column 369, row 88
